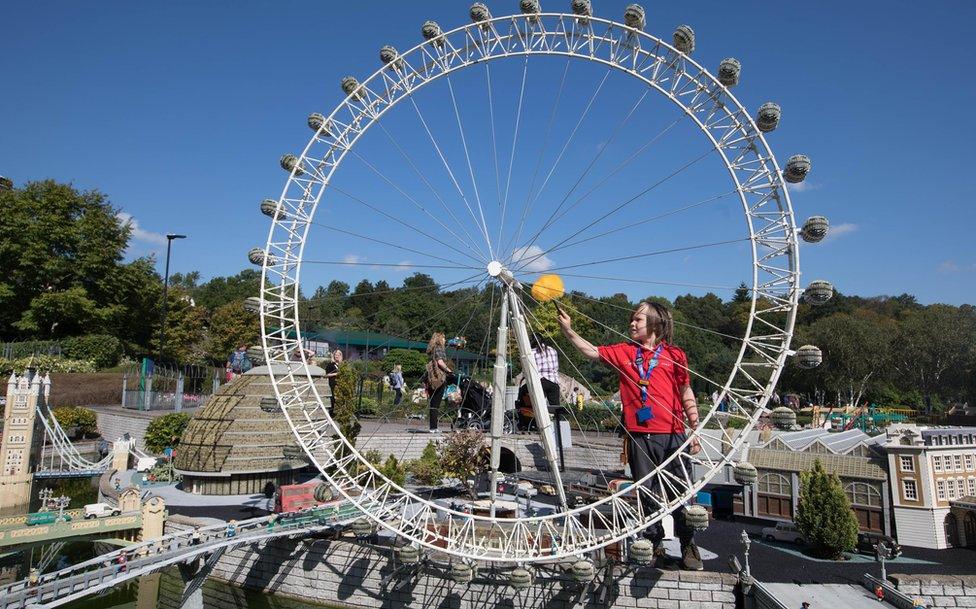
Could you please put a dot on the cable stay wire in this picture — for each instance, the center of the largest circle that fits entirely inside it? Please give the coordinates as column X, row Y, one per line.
column 511, row 157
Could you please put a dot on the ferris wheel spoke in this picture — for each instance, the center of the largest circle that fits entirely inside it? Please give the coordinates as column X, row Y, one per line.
column 395, row 265
column 380, row 241
column 474, row 182
column 447, row 166
column 620, row 167
column 430, row 186
column 511, row 156
column 660, row 252
column 494, row 143
column 538, row 164
column 631, row 225
column 559, row 157
column 586, row 171
column 406, row 224
column 414, row 201
column 433, row 286
column 621, row 206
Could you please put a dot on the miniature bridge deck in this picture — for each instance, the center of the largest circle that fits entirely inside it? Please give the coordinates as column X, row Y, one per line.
column 18, row 533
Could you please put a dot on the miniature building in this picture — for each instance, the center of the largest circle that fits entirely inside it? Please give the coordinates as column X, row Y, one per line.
column 856, row 458
column 20, row 445
column 234, row 446
column 933, row 474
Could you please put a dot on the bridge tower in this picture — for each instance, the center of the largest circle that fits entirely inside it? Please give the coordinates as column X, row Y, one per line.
column 23, row 436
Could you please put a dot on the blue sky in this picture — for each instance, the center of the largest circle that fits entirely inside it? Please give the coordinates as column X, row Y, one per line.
column 179, row 113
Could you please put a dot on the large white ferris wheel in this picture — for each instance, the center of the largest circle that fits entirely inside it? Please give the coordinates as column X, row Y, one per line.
column 490, row 240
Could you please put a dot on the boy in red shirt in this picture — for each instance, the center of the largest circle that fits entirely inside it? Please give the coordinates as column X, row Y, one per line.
column 656, row 394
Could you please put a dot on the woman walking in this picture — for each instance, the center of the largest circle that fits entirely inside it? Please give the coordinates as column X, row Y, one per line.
column 437, row 373
column 396, row 382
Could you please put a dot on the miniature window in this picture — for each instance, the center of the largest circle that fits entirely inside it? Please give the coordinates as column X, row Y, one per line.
column 907, row 465
column 910, row 490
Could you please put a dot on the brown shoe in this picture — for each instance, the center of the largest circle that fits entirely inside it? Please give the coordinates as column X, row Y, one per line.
column 691, row 559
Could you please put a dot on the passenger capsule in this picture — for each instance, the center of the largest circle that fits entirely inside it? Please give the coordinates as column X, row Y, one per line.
column 361, row 528
column 818, row 292
column 634, row 17
column 767, row 119
column 389, row 55
column 583, row 8
column 530, row 7
column 729, row 71
column 783, row 417
column 269, row 207
column 323, row 493
column 408, row 555
column 479, row 12
column 642, row 552
column 289, row 162
column 462, row 573
column 797, row 168
column 696, row 517
column 583, row 571
column 253, row 304
column 350, row 85
column 256, row 256
column 317, row 122
column 815, row 229
column 520, row 578
column 808, row 357
column 270, row 404
column 684, row 39
column 745, row 473
column 430, row 30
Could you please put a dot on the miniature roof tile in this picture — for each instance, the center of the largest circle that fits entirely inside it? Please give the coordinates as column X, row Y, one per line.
column 845, row 466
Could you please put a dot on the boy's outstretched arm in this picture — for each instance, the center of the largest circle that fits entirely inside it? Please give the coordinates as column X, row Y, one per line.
column 584, row 346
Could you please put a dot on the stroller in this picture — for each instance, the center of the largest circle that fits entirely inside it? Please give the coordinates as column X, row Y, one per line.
column 474, row 411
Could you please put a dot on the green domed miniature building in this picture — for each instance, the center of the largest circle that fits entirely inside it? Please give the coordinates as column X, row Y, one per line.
column 238, row 443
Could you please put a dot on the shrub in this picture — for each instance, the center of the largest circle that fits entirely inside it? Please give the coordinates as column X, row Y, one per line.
column 166, row 431
column 46, row 363
column 464, row 455
column 76, row 421
column 824, row 514
column 413, row 362
column 394, row 470
column 102, row 350
column 427, row 469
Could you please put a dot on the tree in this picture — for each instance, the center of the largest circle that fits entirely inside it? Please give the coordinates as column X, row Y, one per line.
column 221, row 291
column 856, row 352
column 427, row 469
column 165, row 431
column 76, row 421
column 413, row 362
column 62, row 245
column 230, row 325
column 824, row 515
column 185, row 330
column 464, row 455
column 344, row 413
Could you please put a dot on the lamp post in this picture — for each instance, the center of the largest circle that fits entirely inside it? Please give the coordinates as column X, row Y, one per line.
column 746, row 542
column 162, row 329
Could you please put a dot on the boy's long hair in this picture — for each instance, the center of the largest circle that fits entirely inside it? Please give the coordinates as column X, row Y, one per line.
column 660, row 320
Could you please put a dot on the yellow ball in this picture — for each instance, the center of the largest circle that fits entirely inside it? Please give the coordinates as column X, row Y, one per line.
column 548, row 287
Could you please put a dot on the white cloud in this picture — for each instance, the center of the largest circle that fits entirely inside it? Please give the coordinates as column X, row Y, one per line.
column 139, row 233
column 950, row 266
column 539, row 261
column 352, row 258
column 803, row 186
column 840, row 230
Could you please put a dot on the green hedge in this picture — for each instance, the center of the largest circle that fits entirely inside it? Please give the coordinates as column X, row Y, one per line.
column 102, row 350
column 46, row 363
column 76, row 421
column 166, row 431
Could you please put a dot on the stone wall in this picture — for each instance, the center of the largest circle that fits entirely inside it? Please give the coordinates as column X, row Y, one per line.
column 115, row 421
column 938, row 590
column 347, row 574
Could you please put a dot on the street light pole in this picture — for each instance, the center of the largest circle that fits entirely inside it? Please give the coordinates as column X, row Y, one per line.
column 162, row 328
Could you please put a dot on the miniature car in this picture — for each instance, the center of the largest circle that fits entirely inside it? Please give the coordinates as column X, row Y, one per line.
column 783, row 531
column 97, row 510
column 867, row 544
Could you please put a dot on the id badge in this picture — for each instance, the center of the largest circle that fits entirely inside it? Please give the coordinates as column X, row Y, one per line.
column 644, row 414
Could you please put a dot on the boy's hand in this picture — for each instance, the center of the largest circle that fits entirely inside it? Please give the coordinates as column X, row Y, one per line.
column 565, row 321
column 695, row 447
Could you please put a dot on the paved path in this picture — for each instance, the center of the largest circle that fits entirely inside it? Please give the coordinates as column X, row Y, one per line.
column 825, row 596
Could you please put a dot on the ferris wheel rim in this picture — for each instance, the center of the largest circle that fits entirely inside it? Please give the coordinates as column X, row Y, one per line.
column 783, row 202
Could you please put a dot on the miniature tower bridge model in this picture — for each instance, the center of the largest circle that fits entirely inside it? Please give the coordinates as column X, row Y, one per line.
column 468, row 228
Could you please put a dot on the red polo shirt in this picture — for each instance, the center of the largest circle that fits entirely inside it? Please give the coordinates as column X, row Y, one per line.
column 670, row 375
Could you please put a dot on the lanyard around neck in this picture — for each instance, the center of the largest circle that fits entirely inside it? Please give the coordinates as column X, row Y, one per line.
column 645, row 376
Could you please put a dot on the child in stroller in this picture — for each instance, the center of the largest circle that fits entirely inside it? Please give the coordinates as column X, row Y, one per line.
column 474, row 411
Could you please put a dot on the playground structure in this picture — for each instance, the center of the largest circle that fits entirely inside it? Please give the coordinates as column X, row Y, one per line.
column 867, row 418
